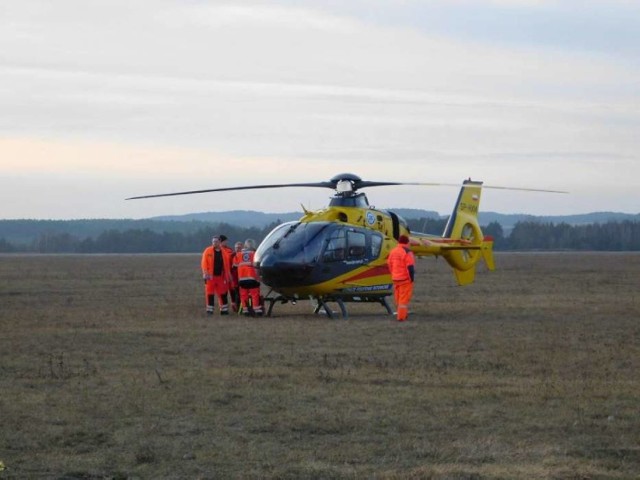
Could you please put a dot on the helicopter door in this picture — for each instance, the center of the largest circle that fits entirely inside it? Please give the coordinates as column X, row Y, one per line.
column 395, row 222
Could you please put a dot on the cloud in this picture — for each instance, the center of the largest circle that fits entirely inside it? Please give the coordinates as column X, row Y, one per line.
column 157, row 92
column 597, row 27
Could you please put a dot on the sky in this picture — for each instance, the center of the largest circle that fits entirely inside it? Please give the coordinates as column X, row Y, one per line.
column 101, row 100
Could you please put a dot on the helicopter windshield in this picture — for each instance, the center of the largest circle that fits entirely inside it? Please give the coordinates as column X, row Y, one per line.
column 296, row 242
column 320, row 242
column 276, row 234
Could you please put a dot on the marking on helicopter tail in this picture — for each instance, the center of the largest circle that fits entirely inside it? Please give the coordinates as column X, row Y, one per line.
column 466, row 207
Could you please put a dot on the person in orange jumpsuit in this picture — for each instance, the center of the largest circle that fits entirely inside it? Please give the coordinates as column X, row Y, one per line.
column 233, row 284
column 401, row 263
column 216, row 272
column 248, row 279
column 235, row 288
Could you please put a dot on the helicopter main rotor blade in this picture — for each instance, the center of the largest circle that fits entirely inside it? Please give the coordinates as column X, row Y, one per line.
column 493, row 187
column 248, row 187
column 522, row 189
column 366, row 183
column 355, row 181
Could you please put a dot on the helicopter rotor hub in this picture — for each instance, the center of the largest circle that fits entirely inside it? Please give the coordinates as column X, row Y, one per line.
column 345, row 187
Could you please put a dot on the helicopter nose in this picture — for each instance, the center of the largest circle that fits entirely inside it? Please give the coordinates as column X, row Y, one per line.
column 279, row 274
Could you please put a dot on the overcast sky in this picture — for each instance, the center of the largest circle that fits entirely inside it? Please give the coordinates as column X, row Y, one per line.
column 103, row 100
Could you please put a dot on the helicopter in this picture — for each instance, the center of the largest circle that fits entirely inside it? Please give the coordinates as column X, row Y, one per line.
column 338, row 254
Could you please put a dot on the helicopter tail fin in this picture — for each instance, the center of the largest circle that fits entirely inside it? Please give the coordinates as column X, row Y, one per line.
column 466, row 243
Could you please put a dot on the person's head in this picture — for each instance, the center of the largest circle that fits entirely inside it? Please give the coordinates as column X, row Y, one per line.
column 215, row 241
column 238, row 246
column 403, row 239
column 250, row 244
column 223, row 239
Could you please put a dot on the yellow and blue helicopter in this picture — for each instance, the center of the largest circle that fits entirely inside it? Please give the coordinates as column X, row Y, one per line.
column 338, row 254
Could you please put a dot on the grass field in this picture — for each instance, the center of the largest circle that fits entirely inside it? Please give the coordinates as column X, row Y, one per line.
column 110, row 369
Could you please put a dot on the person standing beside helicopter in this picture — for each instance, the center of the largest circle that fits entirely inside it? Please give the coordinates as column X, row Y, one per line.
column 235, row 288
column 233, row 284
column 401, row 263
column 248, row 279
column 216, row 272
column 226, row 248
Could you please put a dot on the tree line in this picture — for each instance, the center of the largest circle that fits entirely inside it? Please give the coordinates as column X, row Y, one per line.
column 135, row 240
column 527, row 235
column 609, row 236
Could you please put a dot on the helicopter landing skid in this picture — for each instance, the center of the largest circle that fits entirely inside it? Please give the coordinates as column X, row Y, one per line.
column 323, row 307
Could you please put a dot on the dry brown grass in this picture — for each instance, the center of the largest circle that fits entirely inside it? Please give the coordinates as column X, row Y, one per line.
column 109, row 369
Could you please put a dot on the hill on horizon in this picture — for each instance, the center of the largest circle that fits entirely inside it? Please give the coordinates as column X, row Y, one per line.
column 251, row 218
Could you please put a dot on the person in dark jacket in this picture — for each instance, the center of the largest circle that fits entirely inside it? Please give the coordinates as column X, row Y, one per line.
column 216, row 272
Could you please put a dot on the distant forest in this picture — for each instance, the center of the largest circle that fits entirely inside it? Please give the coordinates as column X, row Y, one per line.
column 529, row 235
column 183, row 237
column 112, row 236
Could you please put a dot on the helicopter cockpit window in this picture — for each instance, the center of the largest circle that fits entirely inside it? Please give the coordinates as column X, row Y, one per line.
column 357, row 245
column 336, row 246
column 348, row 244
column 376, row 245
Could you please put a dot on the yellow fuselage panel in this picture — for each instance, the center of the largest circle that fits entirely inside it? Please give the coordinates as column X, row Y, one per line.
column 358, row 217
column 370, row 279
